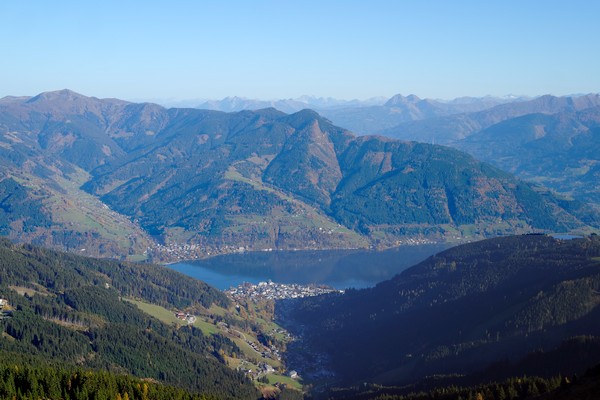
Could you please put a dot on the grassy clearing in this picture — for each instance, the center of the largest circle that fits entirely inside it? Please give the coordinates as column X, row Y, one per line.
column 137, row 258
column 291, row 383
column 28, row 291
column 216, row 310
column 206, row 327
column 252, row 355
column 158, row 312
column 168, row 317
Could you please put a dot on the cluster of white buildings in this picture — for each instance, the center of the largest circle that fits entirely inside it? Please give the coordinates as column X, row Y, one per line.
column 277, row 291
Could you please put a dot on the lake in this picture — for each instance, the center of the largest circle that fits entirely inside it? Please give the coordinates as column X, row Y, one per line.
column 340, row 269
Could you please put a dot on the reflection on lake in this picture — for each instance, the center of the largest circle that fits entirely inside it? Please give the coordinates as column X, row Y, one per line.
column 340, row 269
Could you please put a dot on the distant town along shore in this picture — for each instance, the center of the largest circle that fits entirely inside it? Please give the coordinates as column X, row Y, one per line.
column 277, row 291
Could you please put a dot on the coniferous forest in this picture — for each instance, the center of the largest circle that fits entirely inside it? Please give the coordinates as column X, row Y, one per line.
column 69, row 334
column 481, row 312
column 69, row 310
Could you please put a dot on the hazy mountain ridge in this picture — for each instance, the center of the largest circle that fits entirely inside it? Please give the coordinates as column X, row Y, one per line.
column 253, row 179
column 366, row 116
column 559, row 150
column 402, row 109
column 448, row 129
column 234, row 103
column 549, row 140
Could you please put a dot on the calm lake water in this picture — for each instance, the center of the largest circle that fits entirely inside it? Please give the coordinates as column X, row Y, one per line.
column 340, row 269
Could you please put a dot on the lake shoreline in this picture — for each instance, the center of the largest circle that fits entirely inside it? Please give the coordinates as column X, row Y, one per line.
column 341, row 269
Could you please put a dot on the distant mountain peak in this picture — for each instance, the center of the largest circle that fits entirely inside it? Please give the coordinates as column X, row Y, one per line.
column 62, row 95
column 402, row 100
column 308, row 113
column 304, row 117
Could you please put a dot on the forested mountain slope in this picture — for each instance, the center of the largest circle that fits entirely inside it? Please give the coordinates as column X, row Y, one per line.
column 204, row 182
column 560, row 151
column 470, row 313
column 66, row 311
column 552, row 141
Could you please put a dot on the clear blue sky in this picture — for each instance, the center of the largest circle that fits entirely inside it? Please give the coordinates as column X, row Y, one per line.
column 281, row 49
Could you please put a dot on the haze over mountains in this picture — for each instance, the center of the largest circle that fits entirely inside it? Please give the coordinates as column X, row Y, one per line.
column 550, row 140
column 232, row 104
column 108, row 175
column 367, row 116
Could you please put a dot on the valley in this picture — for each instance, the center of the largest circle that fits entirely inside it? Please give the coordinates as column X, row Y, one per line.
column 366, row 258
column 275, row 200
column 455, row 315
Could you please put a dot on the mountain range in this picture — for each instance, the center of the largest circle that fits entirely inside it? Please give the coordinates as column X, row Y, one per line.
column 549, row 140
column 108, row 177
column 452, row 128
column 290, row 106
column 367, row 116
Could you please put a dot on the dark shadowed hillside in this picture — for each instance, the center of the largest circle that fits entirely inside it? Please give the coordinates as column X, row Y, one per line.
column 485, row 310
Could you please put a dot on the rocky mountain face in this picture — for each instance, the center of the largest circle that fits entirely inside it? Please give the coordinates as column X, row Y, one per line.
column 123, row 176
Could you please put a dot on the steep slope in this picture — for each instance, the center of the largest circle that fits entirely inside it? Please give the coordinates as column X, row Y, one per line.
column 65, row 124
column 216, row 180
column 307, row 164
column 65, row 310
column 269, row 180
column 462, row 310
column 411, row 189
column 47, row 144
